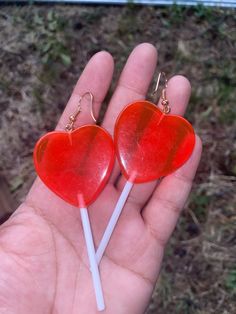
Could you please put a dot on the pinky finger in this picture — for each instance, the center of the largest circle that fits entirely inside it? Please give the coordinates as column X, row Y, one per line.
column 163, row 210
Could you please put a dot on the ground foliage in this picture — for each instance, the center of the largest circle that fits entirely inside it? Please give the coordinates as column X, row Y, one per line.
column 43, row 51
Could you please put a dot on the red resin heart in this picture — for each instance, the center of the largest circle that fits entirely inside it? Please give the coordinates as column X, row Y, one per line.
column 150, row 144
column 75, row 165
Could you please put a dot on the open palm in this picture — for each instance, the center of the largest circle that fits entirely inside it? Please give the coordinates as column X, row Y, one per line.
column 44, row 265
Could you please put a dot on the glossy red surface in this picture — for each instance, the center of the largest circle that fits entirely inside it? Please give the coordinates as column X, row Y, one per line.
column 75, row 165
column 150, row 144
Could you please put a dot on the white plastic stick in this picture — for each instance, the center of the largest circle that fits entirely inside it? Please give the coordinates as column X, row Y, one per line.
column 92, row 259
column 113, row 220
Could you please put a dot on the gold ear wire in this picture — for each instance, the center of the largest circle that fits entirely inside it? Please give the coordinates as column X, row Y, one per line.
column 164, row 101
column 91, row 104
column 73, row 117
column 158, row 82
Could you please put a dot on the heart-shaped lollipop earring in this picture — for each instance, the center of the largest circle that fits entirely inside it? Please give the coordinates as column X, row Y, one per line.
column 150, row 143
column 75, row 165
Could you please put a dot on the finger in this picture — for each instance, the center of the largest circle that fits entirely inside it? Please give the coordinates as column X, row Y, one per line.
column 132, row 85
column 96, row 78
column 163, row 210
column 178, row 93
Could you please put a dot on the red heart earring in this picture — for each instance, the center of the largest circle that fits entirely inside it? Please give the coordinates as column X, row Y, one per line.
column 150, row 143
column 75, row 165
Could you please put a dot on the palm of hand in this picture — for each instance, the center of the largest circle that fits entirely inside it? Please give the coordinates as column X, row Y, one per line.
column 44, row 259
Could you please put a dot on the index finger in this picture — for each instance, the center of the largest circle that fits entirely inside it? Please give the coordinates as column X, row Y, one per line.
column 96, row 79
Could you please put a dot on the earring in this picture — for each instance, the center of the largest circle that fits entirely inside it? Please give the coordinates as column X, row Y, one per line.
column 150, row 144
column 75, row 165
column 67, row 160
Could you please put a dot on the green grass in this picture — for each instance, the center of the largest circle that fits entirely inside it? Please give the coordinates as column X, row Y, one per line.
column 230, row 282
column 199, row 203
column 49, row 35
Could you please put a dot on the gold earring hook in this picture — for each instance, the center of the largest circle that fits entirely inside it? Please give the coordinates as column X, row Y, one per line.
column 158, row 82
column 91, row 104
column 73, row 117
column 164, row 101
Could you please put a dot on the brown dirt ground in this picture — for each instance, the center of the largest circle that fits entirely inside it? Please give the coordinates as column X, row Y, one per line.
column 43, row 51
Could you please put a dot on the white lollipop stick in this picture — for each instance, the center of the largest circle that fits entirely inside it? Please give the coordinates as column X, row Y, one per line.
column 92, row 259
column 113, row 221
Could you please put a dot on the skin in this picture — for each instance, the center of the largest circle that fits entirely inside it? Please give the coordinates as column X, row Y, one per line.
column 44, row 264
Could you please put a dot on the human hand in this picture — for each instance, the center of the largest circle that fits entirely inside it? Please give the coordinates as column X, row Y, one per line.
column 44, row 264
